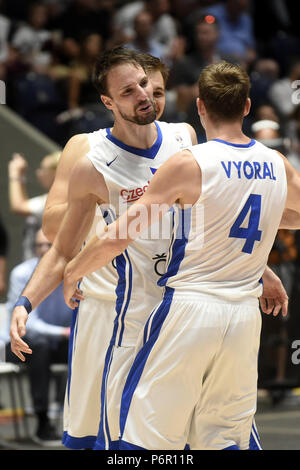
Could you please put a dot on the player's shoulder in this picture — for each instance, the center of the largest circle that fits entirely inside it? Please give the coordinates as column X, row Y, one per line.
column 180, row 130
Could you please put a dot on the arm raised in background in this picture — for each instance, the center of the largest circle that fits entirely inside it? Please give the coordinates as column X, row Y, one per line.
column 87, row 187
column 57, row 200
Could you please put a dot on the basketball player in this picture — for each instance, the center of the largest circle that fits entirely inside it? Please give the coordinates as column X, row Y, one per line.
column 80, row 427
column 82, row 401
column 83, row 393
column 194, row 377
column 128, row 155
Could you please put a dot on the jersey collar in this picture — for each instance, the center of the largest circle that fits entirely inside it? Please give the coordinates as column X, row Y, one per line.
column 252, row 142
column 146, row 153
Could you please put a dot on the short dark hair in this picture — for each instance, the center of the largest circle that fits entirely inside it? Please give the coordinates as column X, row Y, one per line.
column 224, row 89
column 108, row 59
column 153, row 64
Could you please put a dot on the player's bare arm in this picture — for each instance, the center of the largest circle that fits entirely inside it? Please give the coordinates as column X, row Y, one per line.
column 57, row 199
column 293, row 187
column 290, row 220
column 87, row 187
column 274, row 297
column 177, row 170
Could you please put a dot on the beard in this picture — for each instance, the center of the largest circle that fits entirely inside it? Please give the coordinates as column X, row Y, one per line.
column 138, row 119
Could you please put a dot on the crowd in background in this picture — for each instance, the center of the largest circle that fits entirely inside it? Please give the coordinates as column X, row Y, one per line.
column 47, row 51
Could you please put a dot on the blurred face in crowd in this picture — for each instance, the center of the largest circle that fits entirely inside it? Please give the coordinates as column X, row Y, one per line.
column 143, row 25
column 158, row 7
column 159, row 96
column 130, row 94
column 38, row 16
column 92, row 45
column 207, row 35
column 266, row 112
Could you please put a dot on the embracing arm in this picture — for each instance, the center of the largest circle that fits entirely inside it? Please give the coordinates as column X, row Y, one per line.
column 167, row 187
column 57, row 200
column 293, row 189
column 86, row 185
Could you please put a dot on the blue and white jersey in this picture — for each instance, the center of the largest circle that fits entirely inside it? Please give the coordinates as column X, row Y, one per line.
column 100, row 284
column 220, row 246
column 127, row 172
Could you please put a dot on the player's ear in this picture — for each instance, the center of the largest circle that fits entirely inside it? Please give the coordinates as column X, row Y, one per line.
column 247, row 107
column 106, row 100
column 200, row 107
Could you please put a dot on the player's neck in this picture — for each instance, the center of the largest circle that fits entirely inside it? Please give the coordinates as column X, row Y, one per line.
column 230, row 132
column 135, row 135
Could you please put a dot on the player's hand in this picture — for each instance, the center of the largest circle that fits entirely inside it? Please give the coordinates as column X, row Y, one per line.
column 72, row 293
column 17, row 330
column 17, row 166
column 274, row 297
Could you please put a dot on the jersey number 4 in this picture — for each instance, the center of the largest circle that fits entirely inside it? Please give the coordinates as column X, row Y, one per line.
column 251, row 233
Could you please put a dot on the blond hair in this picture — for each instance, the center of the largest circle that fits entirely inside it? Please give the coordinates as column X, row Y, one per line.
column 224, row 89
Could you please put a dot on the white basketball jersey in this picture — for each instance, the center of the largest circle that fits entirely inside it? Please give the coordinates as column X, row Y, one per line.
column 220, row 246
column 127, row 172
column 100, row 284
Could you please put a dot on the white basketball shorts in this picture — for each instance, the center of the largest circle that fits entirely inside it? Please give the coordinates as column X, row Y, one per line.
column 90, row 336
column 194, row 378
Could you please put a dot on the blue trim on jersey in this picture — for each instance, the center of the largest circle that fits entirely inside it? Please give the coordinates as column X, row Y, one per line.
column 250, row 144
column 77, row 443
column 114, row 445
column 233, row 447
column 254, row 442
column 72, row 339
column 178, row 247
column 142, row 356
column 104, row 429
column 121, row 289
column 103, row 438
column 146, row 153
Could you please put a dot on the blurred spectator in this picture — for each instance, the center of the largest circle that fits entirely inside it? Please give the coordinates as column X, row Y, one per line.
column 3, row 257
column 5, row 26
column 48, row 330
column 30, row 38
column 236, row 42
column 143, row 42
column 281, row 92
column 266, row 112
column 86, row 112
column 293, row 130
column 185, row 72
column 265, row 72
column 84, row 16
column 267, row 132
column 20, row 203
column 282, row 261
column 81, row 90
column 164, row 25
column 276, row 29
